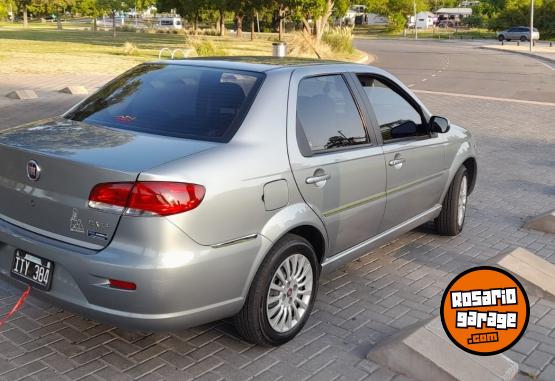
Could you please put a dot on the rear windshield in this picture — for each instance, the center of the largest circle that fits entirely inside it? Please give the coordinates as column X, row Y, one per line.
column 173, row 100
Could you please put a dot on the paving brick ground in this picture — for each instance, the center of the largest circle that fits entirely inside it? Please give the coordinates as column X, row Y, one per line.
column 364, row 302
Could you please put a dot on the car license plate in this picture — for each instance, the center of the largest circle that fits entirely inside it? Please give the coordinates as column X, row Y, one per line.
column 32, row 269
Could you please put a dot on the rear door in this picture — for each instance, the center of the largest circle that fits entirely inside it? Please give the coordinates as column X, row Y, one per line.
column 414, row 158
column 338, row 167
column 513, row 33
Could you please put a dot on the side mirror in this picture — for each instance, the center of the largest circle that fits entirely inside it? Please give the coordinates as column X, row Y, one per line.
column 439, row 124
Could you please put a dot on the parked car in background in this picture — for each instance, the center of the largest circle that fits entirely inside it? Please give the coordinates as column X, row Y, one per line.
column 169, row 23
column 184, row 192
column 521, row 33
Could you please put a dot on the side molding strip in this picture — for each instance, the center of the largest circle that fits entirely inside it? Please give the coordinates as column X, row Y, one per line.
column 235, row 241
column 356, row 251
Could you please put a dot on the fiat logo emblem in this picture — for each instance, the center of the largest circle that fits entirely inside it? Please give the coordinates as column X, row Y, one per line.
column 33, row 170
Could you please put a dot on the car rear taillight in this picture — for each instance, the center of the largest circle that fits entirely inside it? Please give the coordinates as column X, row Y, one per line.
column 146, row 198
column 111, row 197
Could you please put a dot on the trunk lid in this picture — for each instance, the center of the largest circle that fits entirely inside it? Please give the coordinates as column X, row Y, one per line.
column 72, row 158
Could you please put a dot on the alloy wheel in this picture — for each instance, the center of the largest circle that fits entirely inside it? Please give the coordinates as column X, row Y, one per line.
column 290, row 293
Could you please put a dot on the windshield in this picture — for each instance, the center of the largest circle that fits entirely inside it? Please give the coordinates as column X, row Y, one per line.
column 173, row 100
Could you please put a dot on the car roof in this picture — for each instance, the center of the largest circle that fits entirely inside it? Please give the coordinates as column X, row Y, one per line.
column 252, row 63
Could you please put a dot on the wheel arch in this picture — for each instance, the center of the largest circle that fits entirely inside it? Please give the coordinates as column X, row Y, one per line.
column 465, row 156
column 472, row 169
column 297, row 219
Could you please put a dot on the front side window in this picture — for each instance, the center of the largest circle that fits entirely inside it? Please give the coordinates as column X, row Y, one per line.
column 173, row 100
column 327, row 115
column 397, row 118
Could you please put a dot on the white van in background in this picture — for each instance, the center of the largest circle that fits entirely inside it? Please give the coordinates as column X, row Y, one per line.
column 169, row 23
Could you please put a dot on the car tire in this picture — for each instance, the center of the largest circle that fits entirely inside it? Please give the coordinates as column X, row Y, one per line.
column 450, row 221
column 258, row 320
column 500, row 37
column 523, row 39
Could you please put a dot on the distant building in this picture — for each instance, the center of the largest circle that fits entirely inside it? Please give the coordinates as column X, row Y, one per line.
column 452, row 17
column 425, row 20
column 469, row 4
column 455, row 11
column 358, row 15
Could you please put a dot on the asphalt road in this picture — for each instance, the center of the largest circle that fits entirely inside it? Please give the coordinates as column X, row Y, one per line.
column 463, row 68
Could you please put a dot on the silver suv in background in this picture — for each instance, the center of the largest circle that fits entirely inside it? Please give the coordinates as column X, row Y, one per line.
column 521, row 33
column 189, row 191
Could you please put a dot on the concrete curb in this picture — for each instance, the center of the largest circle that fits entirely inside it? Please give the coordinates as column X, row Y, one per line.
column 531, row 55
column 74, row 90
column 366, row 60
column 543, row 223
column 22, row 94
column 537, row 274
column 424, row 352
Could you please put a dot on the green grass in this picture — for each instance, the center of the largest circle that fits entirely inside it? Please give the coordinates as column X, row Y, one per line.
column 43, row 49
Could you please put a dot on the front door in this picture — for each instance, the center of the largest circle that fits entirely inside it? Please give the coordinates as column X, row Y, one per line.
column 338, row 168
column 414, row 158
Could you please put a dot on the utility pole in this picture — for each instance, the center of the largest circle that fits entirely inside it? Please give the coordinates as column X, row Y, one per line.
column 415, row 28
column 531, row 24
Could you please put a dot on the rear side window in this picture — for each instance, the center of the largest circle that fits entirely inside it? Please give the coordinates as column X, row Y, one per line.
column 173, row 100
column 327, row 116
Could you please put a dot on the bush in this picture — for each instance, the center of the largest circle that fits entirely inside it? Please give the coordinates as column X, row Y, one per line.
column 340, row 40
column 397, row 21
column 205, row 48
column 126, row 28
column 475, row 21
column 303, row 44
column 130, row 49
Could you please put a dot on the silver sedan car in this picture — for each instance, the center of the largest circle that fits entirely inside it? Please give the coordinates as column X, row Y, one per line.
column 521, row 33
column 184, row 192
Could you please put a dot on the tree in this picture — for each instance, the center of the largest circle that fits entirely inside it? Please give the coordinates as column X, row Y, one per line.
column 256, row 7
column 395, row 10
column 111, row 6
column 55, row 6
column 22, row 6
column 88, row 8
column 220, row 6
column 239, row 7
column 6, row 6
column 319, row 11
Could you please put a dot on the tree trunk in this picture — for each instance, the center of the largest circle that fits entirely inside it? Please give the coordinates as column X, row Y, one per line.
column 239, row 20
column 252, row 28
column 195, row 24
column 25, row 21
column 113, row 23
column 306, row 26
column 222, row 22
column 94, row 24
column 58, row 20
column 280, row 25
column 322, row 21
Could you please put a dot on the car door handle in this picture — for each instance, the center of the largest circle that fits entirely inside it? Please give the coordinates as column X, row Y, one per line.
column 397, row 163
column 317, row 179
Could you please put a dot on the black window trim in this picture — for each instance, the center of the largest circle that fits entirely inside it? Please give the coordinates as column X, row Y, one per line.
column 305, row 150
column 403, row 94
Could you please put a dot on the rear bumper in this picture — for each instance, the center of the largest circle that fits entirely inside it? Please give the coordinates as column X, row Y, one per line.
column 179, row 282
